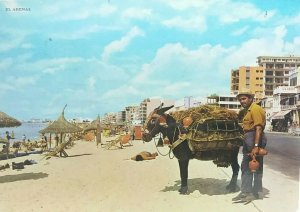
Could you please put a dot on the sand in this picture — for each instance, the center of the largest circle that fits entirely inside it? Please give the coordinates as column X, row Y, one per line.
column 95, row 179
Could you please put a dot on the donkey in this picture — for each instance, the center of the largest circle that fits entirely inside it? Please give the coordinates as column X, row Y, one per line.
column 160, row 122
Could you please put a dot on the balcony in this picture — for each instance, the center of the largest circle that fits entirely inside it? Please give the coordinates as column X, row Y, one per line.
column 288, row 107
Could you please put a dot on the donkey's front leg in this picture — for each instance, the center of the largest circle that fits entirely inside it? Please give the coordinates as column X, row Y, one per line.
column 232, row 186
column 183, row 165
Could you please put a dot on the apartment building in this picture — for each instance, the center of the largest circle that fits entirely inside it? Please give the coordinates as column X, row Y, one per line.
column 227, row 101
column 277, row 71
column 148, row 105
column 250, row 78
column 131, row 114
column 263, row 79
column 110, row 117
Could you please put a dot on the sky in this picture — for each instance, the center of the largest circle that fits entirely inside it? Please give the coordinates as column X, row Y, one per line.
column 100, row 56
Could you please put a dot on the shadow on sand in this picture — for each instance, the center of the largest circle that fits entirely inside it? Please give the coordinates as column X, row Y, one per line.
column 23, row 176
column 209, row 186
column 79, row 155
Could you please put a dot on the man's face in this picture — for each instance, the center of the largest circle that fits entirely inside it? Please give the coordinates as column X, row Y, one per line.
column 245, row 101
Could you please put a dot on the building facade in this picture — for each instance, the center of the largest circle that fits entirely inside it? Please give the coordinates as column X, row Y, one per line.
column 277, row 71
column 226, row 101
column 148, row 105
column 250, row 78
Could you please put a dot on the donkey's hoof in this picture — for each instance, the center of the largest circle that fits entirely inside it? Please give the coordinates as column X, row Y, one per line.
column 183, row 190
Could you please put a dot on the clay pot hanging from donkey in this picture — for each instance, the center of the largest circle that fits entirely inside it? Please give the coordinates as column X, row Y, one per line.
column 187, row 121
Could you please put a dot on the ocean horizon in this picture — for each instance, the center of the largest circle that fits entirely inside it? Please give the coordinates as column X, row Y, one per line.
column 29, row 129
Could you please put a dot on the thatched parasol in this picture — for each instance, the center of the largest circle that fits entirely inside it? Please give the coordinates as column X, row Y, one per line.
column 93, row 124
column 7, row 121
column 61, row 125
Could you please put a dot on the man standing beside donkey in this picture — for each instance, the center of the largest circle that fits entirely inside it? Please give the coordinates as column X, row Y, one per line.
column 253, row 124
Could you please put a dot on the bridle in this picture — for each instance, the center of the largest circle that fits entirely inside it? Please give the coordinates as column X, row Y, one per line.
column 160, row 120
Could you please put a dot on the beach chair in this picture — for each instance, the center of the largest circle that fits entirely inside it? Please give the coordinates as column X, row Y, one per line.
column 60, row 149
column 119, row 142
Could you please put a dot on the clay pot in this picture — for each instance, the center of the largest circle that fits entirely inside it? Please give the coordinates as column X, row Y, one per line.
column 166, row 141
column 187, row 121
column 253, row 164
column 262, row 152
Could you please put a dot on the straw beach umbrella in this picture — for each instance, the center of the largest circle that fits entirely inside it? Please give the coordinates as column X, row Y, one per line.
column 60, row 126
column 95, row 125
column 7, row 121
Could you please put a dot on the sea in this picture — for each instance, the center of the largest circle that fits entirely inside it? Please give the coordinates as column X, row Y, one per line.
column 29, row 129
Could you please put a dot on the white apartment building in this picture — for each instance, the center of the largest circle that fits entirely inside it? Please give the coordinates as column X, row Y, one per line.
column 148, row 105
column 110, row 117
column 277, row 71
column 227, row 101
column 132, row 114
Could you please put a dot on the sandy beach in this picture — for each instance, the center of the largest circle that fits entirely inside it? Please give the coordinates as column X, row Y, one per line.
column 96, row 179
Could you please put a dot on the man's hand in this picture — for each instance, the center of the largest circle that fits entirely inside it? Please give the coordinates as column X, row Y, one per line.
column 254, row 151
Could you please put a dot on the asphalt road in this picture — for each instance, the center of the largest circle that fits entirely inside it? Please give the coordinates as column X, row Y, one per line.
column 284, row 154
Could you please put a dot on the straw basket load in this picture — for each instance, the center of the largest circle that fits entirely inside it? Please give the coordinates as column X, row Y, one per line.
column 213, row 130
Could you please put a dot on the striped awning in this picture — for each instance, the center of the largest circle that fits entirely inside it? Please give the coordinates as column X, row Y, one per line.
column 281, row 114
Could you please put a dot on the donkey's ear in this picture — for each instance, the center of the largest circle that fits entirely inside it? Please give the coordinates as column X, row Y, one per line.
column 163, row 110
column 159, row 107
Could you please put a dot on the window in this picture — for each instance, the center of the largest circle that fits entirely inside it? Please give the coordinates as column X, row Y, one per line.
column 269, row 73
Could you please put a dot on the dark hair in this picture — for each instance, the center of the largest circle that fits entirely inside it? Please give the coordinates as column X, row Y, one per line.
column 139, row 158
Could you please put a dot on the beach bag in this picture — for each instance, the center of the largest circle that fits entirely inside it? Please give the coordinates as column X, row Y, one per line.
column 17, row 165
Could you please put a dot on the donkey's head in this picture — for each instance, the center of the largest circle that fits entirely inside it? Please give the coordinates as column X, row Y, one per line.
column 155, row 123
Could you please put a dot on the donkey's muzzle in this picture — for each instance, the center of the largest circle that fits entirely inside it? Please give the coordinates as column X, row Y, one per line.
column 146, row 137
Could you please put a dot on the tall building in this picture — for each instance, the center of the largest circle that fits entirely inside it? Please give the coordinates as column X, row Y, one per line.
column 226, row 101
column 148, row 105
column 263, row 79
column 250, row 78
column 131, row 113
column 277, row 71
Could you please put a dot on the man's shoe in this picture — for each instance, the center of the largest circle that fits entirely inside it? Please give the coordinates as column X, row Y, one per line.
column 240, row 196
column 256, row 195
column 250, row 197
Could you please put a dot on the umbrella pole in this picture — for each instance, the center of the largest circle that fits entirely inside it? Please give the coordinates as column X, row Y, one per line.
column 50, row 141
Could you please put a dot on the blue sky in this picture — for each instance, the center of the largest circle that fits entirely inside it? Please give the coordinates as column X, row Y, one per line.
column 100, row 56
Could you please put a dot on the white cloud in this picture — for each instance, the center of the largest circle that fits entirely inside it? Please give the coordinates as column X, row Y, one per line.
column 26, row 46
column 10, row 4
column 64, row 11
column 294, row 20
column 91, row 81
column 189, row 24
column 240, row 31
column 78, row 33
column 137, row 13
column 121, row 92
column 120, row 45
column 17, row 82
column 226, row 10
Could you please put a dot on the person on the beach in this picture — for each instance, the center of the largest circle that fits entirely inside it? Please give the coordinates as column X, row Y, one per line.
column 253, row 123
column 144, row 156
column 24, row 138
column 8, row 143
column 4, row 149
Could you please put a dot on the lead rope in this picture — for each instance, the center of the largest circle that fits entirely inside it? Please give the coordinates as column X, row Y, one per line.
column 170, row 150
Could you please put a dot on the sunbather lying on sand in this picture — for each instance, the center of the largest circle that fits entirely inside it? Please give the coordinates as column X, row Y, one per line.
column 144, row 156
